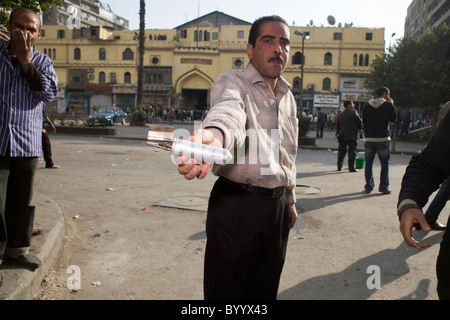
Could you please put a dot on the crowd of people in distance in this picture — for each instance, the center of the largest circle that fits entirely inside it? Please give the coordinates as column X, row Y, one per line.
column 170, row 114
column 404, row 124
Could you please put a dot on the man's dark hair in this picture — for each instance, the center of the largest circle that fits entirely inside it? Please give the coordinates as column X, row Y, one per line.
column 347, row 103
column 254, row 30
column 382, row 90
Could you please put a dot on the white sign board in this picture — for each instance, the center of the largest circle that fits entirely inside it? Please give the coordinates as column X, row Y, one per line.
column 326, row 101
column 348, row 84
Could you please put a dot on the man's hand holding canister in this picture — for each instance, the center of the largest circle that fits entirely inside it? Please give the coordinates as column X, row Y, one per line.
column 190, row 168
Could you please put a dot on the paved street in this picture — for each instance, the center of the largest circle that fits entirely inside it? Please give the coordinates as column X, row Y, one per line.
column 135, row 227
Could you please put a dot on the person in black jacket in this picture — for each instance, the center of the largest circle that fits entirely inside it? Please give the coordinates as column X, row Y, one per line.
column 377, row 115
column 349, row 126
column 425, row 172
column 321, row 121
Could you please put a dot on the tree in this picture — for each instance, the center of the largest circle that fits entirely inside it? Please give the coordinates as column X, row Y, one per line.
column 37, row 6
column 416, row 70
column 141, row 49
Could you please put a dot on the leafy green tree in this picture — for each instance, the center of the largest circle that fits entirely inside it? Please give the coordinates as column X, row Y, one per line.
column 416, row 70
column 37, row 6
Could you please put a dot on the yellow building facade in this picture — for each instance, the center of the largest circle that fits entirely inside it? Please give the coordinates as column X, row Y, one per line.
column 98, row 66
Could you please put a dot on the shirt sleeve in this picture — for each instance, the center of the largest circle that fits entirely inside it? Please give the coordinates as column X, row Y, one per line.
column 43, row 66
column 428, row 169
column 33, row 76
column 227, row 111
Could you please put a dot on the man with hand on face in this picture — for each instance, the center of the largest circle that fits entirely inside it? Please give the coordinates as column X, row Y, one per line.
column 252, row 204
column 27, row 79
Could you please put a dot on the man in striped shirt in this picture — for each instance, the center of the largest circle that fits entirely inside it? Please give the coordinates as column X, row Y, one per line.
column 252, row 204
column 27, row 80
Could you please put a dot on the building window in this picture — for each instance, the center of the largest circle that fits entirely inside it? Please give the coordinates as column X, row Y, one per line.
column 337, row 36
column 101, row 77
column 240, row 34
column 355, row 60
column 101, row 54
column 183, row 34
column 297, row 58
column 42, row 33
column 54, row 53
column 238, row 63
column 201, row 36
column 77, row 54
column 155, row 60
column 60, row 34
column 127, row 77
column 369, row 36
column 326, row 84
column 366, row 60
column 154, row 78
column 328, row 59
column 215, row 35
column 361, row 59
column 128, row 54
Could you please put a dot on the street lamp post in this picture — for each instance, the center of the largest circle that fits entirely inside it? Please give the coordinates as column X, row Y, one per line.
column 302, row 34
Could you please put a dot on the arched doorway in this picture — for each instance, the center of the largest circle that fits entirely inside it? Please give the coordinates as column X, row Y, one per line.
column 192, row 90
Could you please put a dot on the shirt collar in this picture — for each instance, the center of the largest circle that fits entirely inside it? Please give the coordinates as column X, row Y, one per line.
column 254, row 77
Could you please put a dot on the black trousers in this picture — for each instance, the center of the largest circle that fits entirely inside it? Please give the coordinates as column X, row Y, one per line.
column 16, row 216
column 47, row 149
column 247, row 235
column 443, row 267
column 350, row 148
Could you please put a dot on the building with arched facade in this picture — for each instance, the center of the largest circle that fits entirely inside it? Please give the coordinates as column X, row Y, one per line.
column 98, row 66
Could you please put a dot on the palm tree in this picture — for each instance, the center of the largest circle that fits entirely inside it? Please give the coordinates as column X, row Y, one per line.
column 141, row 53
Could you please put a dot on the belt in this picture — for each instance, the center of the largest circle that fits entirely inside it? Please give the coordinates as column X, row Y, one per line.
column 276, row 193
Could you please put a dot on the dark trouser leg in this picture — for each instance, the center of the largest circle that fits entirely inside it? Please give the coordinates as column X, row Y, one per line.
column 4, row 174
column 439, row 202
column 341, row 154
column 351, row 154
column 18, row 216
column 443, row 267
column 246, row 246
column 47, row 150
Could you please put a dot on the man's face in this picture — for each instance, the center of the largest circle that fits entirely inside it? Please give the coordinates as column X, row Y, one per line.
column 271, row 51
column 25, row 21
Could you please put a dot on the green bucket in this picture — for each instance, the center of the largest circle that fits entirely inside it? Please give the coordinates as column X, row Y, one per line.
column 360, row 162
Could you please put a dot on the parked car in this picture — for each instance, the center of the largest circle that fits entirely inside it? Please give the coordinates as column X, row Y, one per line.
column 107, row 116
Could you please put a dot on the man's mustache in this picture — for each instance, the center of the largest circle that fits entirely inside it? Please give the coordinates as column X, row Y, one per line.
column 278, row 58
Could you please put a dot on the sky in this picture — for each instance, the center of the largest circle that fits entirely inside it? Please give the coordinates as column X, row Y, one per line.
column 168, row 14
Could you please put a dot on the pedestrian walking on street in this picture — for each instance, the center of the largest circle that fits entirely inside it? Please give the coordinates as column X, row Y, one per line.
column 321, row 122
column 252, row 204
column 35, row 82
column 46, row 144
column 377, row 115
column 348, row 128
